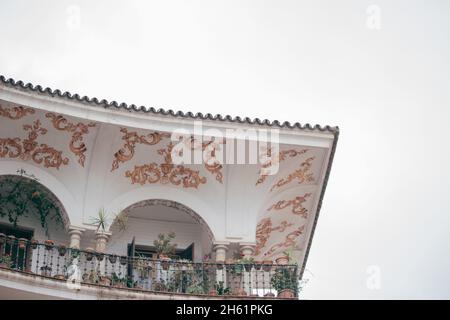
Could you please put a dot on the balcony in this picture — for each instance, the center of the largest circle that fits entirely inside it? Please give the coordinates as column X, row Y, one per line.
column 114, row 276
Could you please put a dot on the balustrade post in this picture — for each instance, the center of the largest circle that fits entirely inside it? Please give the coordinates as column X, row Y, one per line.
column 247, row 251
column 101, row 238
column 75, row 236
column 221, row 248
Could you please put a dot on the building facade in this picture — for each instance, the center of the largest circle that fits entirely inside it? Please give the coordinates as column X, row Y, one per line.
column 107, row 188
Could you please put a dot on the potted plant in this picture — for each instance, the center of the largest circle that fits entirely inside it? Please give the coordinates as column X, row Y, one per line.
column 220, row 289
column 117, row 281
column 104, row 281
column 196, row 288
column 163, row 245
column 49, row 244
column 5, row 261
column 91, row 277
column 285, row 281
column 285, row 258
column 160, row 286
column 62, row 249
column 60, row 277
column 164, row 248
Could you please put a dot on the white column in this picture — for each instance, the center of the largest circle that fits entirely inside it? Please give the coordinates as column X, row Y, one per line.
column 101, row 238
column 247, row 250
column 221, row 249
column 75, row 236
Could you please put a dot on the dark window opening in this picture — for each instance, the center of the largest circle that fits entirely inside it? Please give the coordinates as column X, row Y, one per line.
column 20, row 256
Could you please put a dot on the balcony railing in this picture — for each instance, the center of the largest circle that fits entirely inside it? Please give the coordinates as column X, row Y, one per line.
column 169, row 276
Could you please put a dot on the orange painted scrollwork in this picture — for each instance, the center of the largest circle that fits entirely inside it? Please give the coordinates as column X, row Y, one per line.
column 76, row 145
column 296, row 203
column 126, row 153
column 15, row 113
column 301, row 175
column 30, row 149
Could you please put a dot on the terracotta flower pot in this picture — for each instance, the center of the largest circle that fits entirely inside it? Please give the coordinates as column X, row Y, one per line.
column 89, row 255
column 105, row 281
column 258, row 265
column 49, row 244
column 212, row 292
column 33, row 244
column 62, row 250
column 283, row 260
column 286, row 294
column 99, row 256
column 267, row 265
column 112, row 259
column 123, row 260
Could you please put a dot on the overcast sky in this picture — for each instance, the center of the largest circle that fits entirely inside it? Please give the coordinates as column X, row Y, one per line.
column 380, row 70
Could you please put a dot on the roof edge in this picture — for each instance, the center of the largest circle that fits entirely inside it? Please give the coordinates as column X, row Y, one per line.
column 20, row 85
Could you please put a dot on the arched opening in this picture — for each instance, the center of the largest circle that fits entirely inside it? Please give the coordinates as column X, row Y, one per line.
column 28, row 209
column 147, row 219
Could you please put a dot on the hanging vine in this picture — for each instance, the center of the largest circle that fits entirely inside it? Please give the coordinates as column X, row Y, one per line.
column 24, row 196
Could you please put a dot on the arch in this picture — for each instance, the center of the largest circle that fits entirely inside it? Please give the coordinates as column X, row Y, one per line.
column 178, row 206
column 49, row 182
column 186, row 199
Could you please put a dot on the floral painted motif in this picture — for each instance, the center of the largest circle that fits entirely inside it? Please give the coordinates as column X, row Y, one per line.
column 30, row 149
column 288, row 242
column 281, row 157
column 263, row 231
column 166, row 172
column 296, row 204
column 301, row 175
column 126, row 153
column 15, row 113
column 76, row 145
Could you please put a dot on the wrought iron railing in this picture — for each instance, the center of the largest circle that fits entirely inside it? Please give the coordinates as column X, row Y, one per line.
column 170, row 276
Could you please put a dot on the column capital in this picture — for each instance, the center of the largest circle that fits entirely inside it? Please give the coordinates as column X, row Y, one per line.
column 75, row 229
column 104, row 235
column 75, row 236
column 221, row 245
column 247, row 248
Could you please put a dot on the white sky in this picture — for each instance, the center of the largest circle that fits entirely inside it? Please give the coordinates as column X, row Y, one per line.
column 387, row 202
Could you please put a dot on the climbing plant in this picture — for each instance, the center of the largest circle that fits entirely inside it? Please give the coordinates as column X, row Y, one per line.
column 23, row 196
